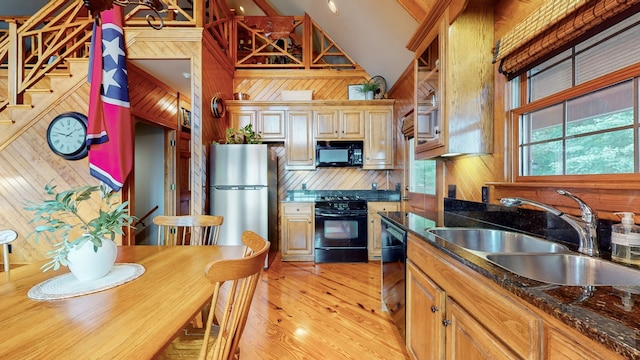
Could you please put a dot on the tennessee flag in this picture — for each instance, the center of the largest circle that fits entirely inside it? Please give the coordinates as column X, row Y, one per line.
column 109, row 128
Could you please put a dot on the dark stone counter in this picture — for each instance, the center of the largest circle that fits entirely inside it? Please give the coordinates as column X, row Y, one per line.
column 609, row 315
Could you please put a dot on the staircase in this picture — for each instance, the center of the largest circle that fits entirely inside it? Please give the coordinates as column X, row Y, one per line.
column 38, row 58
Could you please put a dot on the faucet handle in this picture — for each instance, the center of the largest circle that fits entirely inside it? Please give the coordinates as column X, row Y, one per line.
column 585, row 210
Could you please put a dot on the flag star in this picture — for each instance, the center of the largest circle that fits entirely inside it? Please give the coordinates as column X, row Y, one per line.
column 108, row 79
column 112, row 48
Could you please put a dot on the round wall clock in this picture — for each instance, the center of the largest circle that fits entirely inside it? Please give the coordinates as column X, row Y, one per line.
column 67, row 135
column 217, row 107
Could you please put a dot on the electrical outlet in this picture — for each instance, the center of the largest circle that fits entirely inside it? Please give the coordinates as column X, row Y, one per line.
column 452, row 191
column 485, row 194
column 374, row 186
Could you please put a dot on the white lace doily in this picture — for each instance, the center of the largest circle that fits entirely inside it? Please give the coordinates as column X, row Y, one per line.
column 67, row 285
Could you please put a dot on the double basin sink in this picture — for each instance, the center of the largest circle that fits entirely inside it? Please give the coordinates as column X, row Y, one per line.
column 539, row 259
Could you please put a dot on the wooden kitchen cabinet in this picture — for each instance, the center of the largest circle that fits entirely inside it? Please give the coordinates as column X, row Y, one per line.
column 297, row 231
column 301, row 124
column 378, row 143
column 375, row 226
column 563, row 343
column 454, row 86
column 299, row 145
column 339, row 124
column 269, row 123
column 425, row 305
column 479, row 320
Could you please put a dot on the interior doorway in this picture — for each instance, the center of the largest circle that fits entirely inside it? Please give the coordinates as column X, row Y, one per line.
column 149, row 180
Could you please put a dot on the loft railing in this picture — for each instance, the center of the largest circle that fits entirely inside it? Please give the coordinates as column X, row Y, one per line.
column 285, row 42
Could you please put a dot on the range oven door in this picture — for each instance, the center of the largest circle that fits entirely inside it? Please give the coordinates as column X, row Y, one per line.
column 394, row 254
column 340, row 236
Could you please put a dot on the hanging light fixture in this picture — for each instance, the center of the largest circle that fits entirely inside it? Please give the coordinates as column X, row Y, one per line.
column 97, row 6
column 333, row 7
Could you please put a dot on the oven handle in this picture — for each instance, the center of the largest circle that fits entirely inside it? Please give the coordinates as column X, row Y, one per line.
column 319, row 213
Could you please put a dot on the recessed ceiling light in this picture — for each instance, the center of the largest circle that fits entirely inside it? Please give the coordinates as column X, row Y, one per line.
column 186, row 75
column 333, row 7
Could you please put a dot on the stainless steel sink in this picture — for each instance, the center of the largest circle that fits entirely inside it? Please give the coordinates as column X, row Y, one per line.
column 496, row 241
column 567, row 269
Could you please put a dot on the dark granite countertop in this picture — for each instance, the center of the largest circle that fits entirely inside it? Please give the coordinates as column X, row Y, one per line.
column 609, row 315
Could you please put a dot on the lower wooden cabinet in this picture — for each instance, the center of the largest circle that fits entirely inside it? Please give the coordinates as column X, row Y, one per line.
column 297, row 231
column 425, row 306
column 454, row 312
column 563, row 343
column 375, row 226
column 476, row 321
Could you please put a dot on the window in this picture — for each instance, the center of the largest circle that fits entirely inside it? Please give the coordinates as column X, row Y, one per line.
column 572, row 125
column 422, row 173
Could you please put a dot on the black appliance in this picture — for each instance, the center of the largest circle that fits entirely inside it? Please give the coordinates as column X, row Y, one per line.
column 338, row 153
column 394, row 254
column 341, row 230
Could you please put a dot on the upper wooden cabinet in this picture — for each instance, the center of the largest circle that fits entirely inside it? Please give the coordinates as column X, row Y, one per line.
column 378, row 144
column 454, row 83
column 268, row 122
column 300, row 124
column 337, row 124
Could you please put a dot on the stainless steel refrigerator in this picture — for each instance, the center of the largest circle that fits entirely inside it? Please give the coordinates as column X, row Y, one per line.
column 244, row 189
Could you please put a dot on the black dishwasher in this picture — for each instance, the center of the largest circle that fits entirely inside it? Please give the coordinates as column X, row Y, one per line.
column 394, row 255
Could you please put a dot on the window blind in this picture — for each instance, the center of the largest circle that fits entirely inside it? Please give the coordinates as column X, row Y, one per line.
column 556, row 25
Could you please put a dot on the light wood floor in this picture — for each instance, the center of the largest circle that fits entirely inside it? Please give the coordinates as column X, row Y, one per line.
column 320, row 311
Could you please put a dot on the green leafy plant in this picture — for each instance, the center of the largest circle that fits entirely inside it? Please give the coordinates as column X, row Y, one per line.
column 60, row 213
column 244, row 135
column 366, row 86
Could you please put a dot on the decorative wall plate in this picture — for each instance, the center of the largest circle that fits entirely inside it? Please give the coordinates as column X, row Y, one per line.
column 217, row 107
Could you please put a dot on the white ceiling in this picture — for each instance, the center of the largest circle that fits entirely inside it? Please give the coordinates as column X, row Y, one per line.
column 372, row 33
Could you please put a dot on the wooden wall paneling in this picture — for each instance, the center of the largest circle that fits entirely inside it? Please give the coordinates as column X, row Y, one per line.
column 147, row 43
column 403, row 93
column 27, row 164
column 151, row 99
column 267, row 84
column 217, row 80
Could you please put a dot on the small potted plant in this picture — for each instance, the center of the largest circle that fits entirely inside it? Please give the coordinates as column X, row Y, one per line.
column 84, row 241
column 244, row 135
column 368, row 88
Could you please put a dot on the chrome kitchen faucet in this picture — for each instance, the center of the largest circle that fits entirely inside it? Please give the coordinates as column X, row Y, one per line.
column 586, row 225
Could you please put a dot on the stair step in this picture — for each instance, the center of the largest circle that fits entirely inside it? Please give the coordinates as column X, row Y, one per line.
column 34, row 96
column 20, row 107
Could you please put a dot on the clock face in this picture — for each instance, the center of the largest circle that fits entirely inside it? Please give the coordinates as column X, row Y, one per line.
column 67, row 135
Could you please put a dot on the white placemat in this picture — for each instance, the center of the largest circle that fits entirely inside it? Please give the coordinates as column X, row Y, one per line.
column 67, row 285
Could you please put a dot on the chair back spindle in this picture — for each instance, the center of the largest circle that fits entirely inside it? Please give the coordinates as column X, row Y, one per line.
column 188, row 229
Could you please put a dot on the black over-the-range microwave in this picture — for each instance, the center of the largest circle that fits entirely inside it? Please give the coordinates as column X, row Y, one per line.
column 338, row 153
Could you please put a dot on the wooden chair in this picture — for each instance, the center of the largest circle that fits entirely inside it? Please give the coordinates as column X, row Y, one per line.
column 234, row 283
column 188, row 229
column 6, row 236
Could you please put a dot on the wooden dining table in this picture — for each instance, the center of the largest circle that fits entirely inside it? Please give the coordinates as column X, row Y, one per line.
column 134, row 320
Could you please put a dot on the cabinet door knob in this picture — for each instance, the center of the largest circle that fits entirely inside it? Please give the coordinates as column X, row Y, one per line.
column 446, row 322
column 434, row 309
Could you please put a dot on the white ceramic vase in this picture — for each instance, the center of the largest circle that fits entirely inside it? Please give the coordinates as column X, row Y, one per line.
column 368, row 95
column 86, row 264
